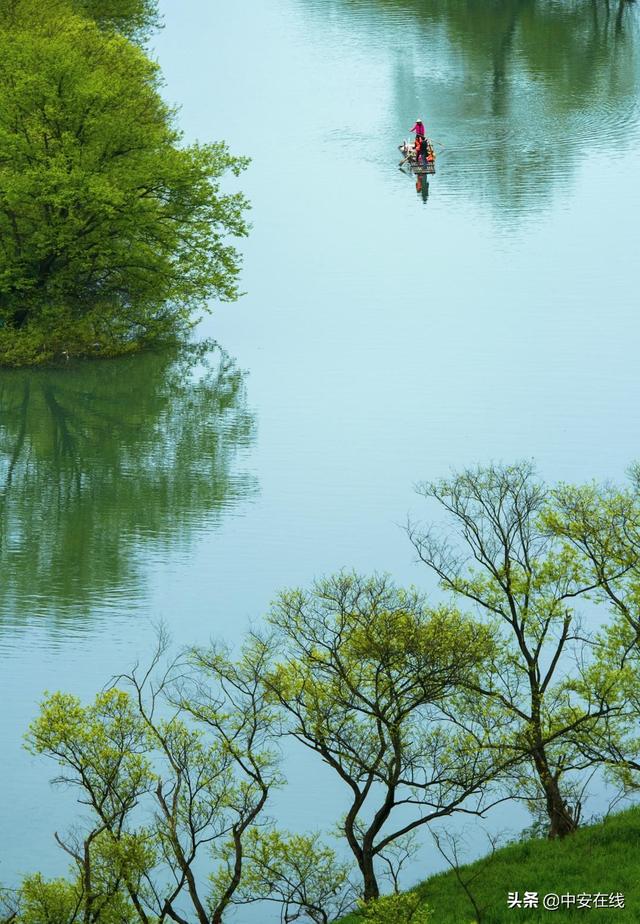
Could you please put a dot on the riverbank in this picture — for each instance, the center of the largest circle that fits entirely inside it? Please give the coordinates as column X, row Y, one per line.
column 600, row 859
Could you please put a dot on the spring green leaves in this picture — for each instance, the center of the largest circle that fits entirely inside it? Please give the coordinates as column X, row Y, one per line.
column 418, row 711
column 112, row 231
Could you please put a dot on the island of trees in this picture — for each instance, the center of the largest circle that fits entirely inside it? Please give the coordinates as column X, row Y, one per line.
column 519, row 683
column 113, row 232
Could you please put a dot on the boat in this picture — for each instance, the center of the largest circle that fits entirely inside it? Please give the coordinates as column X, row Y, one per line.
column 410, row 160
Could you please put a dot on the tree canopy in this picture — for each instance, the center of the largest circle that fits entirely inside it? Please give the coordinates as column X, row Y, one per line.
column 134, row 18
column 601, row 524
column 169, row 787
column 502, row 558
column 111, row 230
column 366, row 672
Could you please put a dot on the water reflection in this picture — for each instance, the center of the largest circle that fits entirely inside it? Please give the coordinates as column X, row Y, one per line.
column 520, row 92
column 421, row 184
column 101, row 462
column 422, row 188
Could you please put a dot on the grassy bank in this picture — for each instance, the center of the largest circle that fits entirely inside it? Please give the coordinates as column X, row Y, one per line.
column 602, row 858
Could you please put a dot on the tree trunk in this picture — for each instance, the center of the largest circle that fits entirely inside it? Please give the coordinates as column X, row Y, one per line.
column 371, row 889
column 561, row 819
column 19, row 317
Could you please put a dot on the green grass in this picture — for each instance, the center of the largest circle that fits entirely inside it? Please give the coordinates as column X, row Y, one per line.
column 602, row 858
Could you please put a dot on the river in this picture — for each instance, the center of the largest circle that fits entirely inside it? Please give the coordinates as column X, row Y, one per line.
column 387, row 333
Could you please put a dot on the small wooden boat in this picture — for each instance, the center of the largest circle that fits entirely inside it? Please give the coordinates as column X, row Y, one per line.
column 421, row 167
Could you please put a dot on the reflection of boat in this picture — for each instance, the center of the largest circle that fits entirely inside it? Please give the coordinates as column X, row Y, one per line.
column 410, row 159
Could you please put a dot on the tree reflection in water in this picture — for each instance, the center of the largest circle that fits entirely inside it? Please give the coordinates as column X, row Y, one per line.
column 104, row 462
column 520, row 92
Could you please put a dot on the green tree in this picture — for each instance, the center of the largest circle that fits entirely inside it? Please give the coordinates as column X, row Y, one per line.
column 507, row 564
column 62, row 901
column 364, row 680
column 111, row 231
column 297, row 872
column 601, row 523
column 133, row 18
column 167, row 786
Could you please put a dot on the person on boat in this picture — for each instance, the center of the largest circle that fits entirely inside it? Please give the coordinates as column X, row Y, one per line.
column 426, row 155
column 431, row 154
column 418, row 128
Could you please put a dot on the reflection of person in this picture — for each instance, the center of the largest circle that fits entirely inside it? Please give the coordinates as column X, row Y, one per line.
column 422, row 187
column 418, row 128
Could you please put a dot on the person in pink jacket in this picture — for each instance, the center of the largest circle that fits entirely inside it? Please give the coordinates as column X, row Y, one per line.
column 418, row 128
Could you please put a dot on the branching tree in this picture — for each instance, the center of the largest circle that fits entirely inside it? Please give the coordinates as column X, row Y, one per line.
column 449, row 847
column 506, row 562
column 365, row 673
column 601, row 523
column 298, row 873
column 165, row 791
column 228, row 699
column 395, row 856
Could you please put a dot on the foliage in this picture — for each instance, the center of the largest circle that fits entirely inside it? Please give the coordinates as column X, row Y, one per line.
column 166, row 786
column 420, row 711
column 405, row 908
column 111, row 230
column 364, row 677
column 63, row 901
column 507, row 564
column 297, row 872
column 133, row 18
column 601, row 524
column 597, row 858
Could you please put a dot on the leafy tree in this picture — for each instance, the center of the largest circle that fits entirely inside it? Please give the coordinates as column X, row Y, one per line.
column 133, row 18
column 507, row 564
column 166, row 788
column 365, row 673
column 61, row 901
column 297, row 872
column 601, row 523
column 111, row 231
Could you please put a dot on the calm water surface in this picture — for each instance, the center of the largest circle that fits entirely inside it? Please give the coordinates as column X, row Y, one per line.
column 387, row 333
